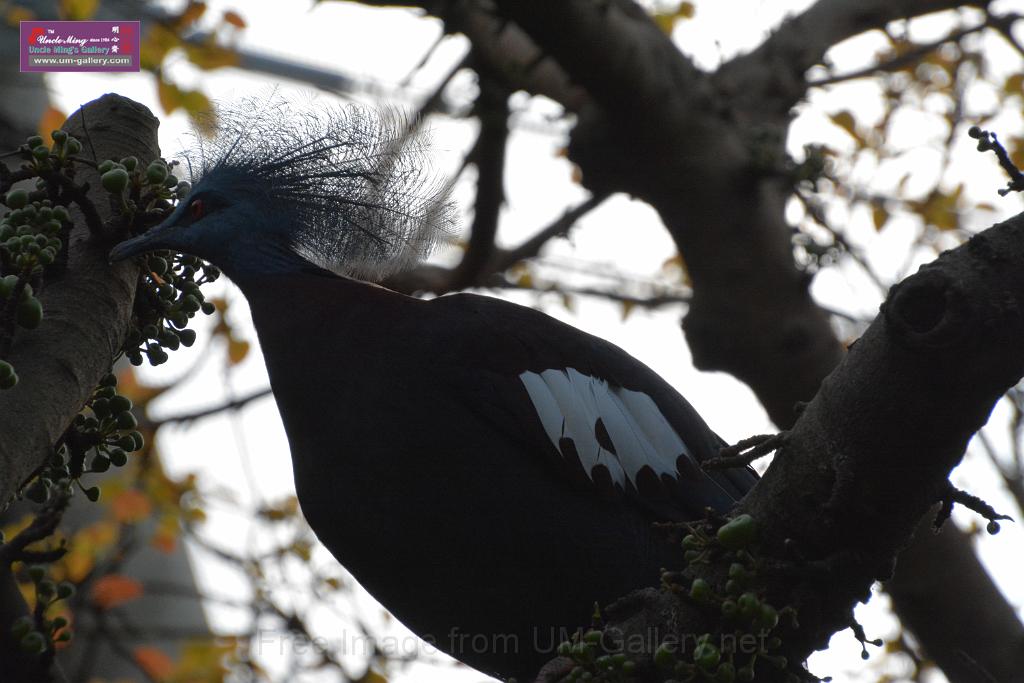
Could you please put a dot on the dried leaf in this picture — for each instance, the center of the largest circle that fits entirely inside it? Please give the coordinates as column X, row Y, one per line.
column 154, row 662
column 130, row 506
column 234, row 18
column 114, row 589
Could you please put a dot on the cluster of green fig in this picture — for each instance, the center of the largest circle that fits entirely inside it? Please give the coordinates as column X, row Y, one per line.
column 156, row 185
column 100, row 436
column 169, row 294
column 31, row 237
column 742, row 612
column 168, row 297
column 34, row 637
column 593, row 663
column 45, row 158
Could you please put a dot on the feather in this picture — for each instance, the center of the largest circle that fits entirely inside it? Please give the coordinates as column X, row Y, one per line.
column 356, row 182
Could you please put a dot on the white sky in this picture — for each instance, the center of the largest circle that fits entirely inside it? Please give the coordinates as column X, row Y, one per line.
column 383, row 45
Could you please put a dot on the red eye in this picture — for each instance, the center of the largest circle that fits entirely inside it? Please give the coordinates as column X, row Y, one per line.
column 196, row 209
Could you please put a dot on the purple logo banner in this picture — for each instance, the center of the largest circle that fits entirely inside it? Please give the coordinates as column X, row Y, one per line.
column 80, row 45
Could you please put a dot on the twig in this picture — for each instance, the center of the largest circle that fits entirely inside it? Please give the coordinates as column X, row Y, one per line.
column 207, row 412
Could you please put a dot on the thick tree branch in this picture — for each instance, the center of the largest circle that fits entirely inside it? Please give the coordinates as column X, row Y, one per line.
column 871, row 454
column 768, row 81
column 85, row 311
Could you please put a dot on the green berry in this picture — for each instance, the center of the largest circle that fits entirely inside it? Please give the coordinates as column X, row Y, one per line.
column 16, row 199
column 129, row 163
column 115, row 180
column 29, row 313
column 127, row 420
column 100, row 463
column 749, row 606
column 187, row 337
column 105, row 166
column 92, row 493
column 7, row 285
column 37, row 573
column 665, row 656
column 59, row 136
column 34, row 141
column 33, row 642
column 737, row 533
column 171, row 181
column 700, row 590
column 768, row 618
column 726, row 673
column 156, row 173
column 40, row 153
column 706, row 656
column 120, row 404
column 117, row 456
column 65, row 590
column 74, row 146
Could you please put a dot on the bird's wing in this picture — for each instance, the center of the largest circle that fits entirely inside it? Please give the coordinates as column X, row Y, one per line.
column 602, row 417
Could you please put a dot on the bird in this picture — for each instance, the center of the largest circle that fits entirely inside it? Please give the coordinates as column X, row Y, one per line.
column 486, row 472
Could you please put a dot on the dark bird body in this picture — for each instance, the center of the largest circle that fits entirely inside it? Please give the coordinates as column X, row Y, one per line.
column 485, row 471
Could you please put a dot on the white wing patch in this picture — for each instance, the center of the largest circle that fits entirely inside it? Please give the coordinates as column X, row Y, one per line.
column 619, row 429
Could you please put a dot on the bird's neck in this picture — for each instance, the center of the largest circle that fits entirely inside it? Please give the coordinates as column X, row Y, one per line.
column 300, row 315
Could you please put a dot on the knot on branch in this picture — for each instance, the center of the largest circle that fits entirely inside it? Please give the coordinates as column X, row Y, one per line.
column 927, row 310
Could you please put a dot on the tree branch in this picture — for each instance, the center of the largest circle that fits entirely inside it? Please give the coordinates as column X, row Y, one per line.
column 85, row 311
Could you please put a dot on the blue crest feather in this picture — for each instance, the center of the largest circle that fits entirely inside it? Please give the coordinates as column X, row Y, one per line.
column 355, row 182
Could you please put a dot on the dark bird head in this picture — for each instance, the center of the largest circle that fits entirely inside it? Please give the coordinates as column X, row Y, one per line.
column 275, row 189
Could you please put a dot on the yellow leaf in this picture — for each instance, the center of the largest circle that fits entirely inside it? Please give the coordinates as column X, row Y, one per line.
column 210, row 56
column 17, row 14
column 627, row 308
column 158, row 42
column 1016, row 145
column 302, row 549
column 51, row 120
column 238, row 349
column 1014, row 85
column 154, row 662
column 114, row 589
column 844, row 119
column 131, row 505
column 940, row 210
column 525, row 280
column 880, row 215
column 78, row 10
column 666, row 20
column 168, row 94
column 372, row 676
column 234, row 18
